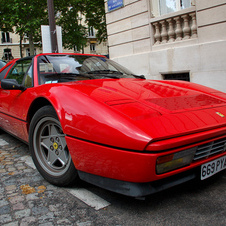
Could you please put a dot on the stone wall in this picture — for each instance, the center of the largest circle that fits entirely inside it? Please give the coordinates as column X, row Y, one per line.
column 192, row 40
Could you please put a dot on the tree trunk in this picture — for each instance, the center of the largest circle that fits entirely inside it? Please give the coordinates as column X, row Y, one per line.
column 21, row 52
column 31, row 45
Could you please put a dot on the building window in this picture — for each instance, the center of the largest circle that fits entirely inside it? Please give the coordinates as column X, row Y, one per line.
column 91, row 32
column 75, row 49
column 92, row 47
column 7, row 55
column 169, row 6
column 5, row 37
column 28, row 52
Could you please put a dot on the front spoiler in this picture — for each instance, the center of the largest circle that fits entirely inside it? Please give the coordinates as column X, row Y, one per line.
column 138, row 189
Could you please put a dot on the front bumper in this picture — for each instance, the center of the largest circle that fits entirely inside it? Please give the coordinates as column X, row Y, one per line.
column 138, row 189
column 127, row 172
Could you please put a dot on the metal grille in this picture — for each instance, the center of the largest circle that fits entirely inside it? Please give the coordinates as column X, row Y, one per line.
column 211, row 148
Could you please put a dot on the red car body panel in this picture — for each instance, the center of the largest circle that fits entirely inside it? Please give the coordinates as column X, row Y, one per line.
column 117, row 128
column 119, row 164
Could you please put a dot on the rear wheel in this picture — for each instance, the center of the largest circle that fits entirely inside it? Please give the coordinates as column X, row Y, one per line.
column 49, row 148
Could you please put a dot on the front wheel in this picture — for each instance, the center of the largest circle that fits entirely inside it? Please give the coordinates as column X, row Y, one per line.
column 49, row 148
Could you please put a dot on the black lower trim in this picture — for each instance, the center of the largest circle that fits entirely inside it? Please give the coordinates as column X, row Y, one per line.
column 137, row 189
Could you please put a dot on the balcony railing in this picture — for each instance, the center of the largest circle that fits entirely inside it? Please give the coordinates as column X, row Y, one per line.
column 180, row 26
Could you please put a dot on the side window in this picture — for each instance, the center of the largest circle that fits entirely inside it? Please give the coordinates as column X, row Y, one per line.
column 3, row 72
column 28, row 77
column 19, row 70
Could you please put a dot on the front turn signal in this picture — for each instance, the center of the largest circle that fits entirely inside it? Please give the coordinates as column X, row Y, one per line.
column 174, row 161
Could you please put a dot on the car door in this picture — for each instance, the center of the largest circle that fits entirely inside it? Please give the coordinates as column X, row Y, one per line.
column 12, row 117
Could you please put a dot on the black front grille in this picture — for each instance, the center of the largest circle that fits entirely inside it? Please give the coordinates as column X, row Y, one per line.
column 211, row 148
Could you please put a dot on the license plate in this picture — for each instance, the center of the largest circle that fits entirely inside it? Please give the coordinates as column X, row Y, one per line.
column 213, row 167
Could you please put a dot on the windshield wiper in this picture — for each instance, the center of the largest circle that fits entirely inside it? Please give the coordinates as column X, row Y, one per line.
column 139, row 76
column 67, row 75
column 105, row 72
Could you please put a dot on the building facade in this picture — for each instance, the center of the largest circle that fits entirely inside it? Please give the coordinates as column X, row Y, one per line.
column 170, row 39
column 10, row 46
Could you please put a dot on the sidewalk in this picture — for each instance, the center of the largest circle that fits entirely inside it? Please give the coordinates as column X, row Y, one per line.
column 27, row 199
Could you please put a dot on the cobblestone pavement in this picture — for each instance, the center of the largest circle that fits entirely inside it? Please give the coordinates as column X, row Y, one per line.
column 27, row 199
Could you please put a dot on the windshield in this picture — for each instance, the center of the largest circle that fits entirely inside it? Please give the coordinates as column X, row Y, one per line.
column 64, row 68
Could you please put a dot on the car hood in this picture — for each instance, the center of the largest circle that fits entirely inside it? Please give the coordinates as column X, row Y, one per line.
column 166, row 107
column 151, row 110
column 163, row 97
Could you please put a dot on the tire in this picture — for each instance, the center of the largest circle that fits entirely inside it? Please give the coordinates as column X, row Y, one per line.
column 1, row 131
column 49, row 148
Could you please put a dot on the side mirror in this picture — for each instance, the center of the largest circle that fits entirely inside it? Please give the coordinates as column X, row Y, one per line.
column 11, row 84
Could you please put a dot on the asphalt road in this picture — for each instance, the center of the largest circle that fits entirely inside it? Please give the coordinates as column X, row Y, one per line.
column 27, row 199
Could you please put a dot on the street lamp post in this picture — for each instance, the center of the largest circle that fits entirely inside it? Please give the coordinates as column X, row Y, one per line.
column 52, row 25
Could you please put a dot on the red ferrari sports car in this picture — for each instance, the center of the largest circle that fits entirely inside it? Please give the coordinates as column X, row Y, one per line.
column 86, row 117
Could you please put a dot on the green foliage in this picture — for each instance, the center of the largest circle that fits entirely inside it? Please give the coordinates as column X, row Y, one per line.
column 5, row 22
column 27, row 16
column 95, row 17
column 73, row 14
column 74, row 33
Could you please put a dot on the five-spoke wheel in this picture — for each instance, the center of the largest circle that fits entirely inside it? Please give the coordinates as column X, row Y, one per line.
column 49, row 148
